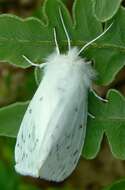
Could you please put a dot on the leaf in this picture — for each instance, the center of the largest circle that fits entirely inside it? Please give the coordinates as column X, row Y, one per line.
column 10, row 118
column 27, row 187
column 105, row 9
column 109, row 59
column 8, row 179
column 34, row 39
column 26, row 87
column 19, row 37
column 109, row 119
column 119, row 185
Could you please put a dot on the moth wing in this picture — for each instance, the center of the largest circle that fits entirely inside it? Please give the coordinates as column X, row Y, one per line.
column 51, row 136
column 33, row 131
column 68, row 138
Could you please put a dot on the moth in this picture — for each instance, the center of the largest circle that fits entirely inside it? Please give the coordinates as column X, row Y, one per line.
column 52, row 133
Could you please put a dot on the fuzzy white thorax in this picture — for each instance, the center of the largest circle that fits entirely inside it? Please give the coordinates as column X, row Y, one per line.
column 59, row 64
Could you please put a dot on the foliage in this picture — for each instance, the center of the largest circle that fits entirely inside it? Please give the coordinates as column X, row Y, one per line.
column 105, row 9
column 119, row 185
column 33, row 37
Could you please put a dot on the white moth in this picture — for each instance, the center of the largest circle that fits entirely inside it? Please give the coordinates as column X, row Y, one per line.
column 52, row 133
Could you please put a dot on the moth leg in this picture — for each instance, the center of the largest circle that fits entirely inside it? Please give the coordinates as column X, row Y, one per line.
column 33, row 64
column 91, row 115
column 99, row 97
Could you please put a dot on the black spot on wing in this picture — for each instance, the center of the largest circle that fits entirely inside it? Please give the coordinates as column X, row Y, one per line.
column 30, row 110
column 76, row 109
column 18, row 145
column 81, row 126
column 68, row 135
column 22, row 137
column 75, row 152
column 50, row 153
column 61, row 89
column 68, row 147
column 75, row 161
column 41, row 98
column 57, row 147
column 58, row 152
column 23, row 156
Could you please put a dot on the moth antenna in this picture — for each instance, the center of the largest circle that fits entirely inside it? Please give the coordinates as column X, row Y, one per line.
column 33, row 64
column 55, row 39
column 65, row 30
column 89, row 43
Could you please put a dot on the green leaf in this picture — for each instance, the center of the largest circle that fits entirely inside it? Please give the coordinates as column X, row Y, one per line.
column 10, row 118
column 105, row 9
column 30, row 37
column 27, row 187
column 119, row 185
column 8, row 179
column 109, row 59
column 34, row 39
column 109, row 119
column 23, row 37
